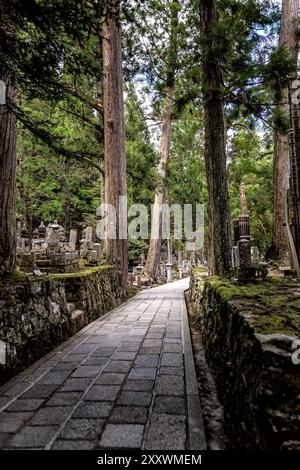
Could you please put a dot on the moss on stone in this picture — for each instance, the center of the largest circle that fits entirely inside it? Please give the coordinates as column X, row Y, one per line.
column 200, row 270
column 17, row 276
column 274, row 324
column 272, row 306
column 85, row 272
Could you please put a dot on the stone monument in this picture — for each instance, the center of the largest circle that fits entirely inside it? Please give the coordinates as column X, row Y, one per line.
column 241, row 252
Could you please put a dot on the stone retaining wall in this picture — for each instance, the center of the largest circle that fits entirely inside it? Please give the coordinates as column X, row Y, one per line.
column 248, row 333
column 37, row 314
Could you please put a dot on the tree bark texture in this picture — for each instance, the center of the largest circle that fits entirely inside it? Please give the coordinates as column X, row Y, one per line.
column 153, row 256
column 8, row 133
column 289, row 33
column 114, row 134
column 215, row 153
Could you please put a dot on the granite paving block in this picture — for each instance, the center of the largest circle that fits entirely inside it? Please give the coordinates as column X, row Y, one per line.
column 93, row 409
column 82, row 429
column 173, row 335
column 86, row 371
column 39, row 391
column 147, row 350
column 129, row 414
column 173, row 347
column 54, row 378
column 111, row 342
column 76, row 384
column 129, row 346
column 124, row 356
column 158, row 336
column 140, row 373
column 122, row 436
column 110, row 378
column 152, row 343
column 134, row 398
column 139, row 385
column 156, row 330
column 73, row 445
column 171, row 371
column 95, row 361
column 4, row 439
column 26, row 404
column 171, row 359
column 166, row 432
column 64, row 366
column 84, row 348
column 49, row 416
column 118, row 366
column 146, row 360
column 170, row 405
column 11, row 422
column 33, row 436
column 64, row 399
column 172, row 340
column 4, row 401
column 74, row 358
column 102, row 392
column 104, row 352
column 170, row 385
column 16, row 389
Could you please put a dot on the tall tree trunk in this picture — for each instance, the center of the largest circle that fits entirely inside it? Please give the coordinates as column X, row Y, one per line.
column 114, row 134
column 8, row 133
column 289, row 33
column 215, row 154
column 66, row 197
column 153, row 256
column 152, row 261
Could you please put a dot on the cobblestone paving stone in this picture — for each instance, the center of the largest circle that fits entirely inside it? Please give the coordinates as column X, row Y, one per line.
column 118, row 383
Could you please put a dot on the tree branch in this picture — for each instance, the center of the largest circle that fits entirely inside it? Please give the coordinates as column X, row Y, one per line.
column 50, row 140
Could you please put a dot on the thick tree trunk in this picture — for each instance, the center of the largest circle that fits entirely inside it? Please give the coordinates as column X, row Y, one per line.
column 152, row 261
column 215, row 154
column 289, row 33
column 8, row 133
column 114, row 134
column 66, row 197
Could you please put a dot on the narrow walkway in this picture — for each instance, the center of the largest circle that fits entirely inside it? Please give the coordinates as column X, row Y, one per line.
column 127, row 380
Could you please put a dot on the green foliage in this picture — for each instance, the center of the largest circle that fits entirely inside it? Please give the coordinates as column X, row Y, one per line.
column 186, row 178
column 57, row 64
column 251, row 163
column 51, row 186
column 136, row 248
column 141, row 157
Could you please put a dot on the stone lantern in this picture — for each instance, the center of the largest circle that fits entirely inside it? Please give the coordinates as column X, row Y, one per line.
column 241, row 252
column 42, row 230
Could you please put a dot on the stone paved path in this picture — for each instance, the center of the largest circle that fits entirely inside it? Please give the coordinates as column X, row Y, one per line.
column 118, row 383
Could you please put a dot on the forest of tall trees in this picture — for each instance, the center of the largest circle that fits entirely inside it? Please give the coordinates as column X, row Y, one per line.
column 150, row 231
column 203, row 111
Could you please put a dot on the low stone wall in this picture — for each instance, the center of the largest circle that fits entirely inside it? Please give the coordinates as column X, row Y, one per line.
column 37, row 314
column 248, row 333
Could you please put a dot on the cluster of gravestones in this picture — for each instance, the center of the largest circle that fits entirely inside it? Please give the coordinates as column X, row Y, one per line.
column 48, row 250
column 168, row 271
column 246, row 261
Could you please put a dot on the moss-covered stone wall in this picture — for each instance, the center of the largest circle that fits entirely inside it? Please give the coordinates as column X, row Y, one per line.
column 37, row 314
column 248, row 333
